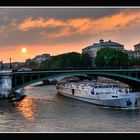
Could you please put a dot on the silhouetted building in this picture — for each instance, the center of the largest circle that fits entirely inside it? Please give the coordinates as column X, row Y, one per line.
column 40, row 58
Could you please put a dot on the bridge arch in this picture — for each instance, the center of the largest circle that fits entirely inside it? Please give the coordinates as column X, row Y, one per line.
column 131, row 81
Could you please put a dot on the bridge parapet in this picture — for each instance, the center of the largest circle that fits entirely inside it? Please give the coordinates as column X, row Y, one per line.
column 128, row 76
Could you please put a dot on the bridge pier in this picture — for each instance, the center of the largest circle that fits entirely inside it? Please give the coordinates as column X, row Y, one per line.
column 6, row 86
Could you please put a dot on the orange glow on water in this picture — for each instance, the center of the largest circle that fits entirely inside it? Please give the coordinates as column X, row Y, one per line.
column 27, row 108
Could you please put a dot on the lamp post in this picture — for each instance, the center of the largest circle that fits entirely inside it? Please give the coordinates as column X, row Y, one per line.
column 10, row 64
column 1, row 65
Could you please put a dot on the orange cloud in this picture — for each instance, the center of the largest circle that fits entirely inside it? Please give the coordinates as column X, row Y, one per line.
column 115, row 27
column 41, row 22
column 81, row 25
column 72, row 26
column 119, row 20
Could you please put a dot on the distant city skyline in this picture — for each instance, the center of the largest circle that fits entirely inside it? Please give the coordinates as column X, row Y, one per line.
column 27, row 32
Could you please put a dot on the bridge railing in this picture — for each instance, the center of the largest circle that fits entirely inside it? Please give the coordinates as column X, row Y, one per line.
column 79, row 68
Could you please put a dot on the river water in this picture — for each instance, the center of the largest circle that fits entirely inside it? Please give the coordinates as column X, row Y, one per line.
column 43, row 110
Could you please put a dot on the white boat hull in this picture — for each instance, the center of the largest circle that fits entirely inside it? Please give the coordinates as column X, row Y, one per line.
column 118, row 102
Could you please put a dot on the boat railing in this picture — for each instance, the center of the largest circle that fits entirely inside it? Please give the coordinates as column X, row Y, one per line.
column 123, row 90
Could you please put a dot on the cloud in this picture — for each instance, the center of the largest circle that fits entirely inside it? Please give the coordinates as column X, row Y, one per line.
column 51, row 30
column 64, row 31
column 77, row 26
column 40, row 22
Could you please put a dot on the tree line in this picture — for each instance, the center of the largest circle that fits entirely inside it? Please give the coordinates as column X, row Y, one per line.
column 106, row 58
column 112, row 58
column 66, row 60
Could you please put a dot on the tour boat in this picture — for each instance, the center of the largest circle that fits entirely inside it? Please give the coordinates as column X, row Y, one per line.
column 103, row 94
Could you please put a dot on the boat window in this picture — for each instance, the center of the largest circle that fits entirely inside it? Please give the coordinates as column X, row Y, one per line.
column 72, row 91
column 92, row 92
column 120, row 90
column 114, row 96
column 126, row 90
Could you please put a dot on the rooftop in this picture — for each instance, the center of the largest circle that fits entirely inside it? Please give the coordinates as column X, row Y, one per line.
column 105, row 43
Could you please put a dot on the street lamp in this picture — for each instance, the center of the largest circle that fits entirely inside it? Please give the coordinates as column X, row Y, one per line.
column 1, row 65
column 10, row 64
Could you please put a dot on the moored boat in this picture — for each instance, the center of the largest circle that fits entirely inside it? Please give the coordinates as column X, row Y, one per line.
column 103, row 94
column 17, row 99
column 17, row 96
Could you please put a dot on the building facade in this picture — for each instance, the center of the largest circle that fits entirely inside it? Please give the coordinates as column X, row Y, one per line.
column 40, row 58
column 95, row 47
column 137, row 47
column 135, row 53
column 130, row 53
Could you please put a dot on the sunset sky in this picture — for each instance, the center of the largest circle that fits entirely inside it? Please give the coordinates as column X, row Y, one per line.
column 59, row 30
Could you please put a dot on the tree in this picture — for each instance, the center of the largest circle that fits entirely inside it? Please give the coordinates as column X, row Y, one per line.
column 85, row 60
column 45, row 64
column 65, row 60
column 73, row 59
column 109, row 57
column 32, row 65
column 135, row 62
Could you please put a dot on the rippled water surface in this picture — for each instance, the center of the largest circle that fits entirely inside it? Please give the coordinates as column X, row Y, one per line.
column 45, row 111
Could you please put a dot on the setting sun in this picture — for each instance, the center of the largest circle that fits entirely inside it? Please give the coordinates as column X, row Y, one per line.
column 23, row 50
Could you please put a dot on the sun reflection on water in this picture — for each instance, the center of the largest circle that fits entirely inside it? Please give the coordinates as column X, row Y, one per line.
column 27, row 108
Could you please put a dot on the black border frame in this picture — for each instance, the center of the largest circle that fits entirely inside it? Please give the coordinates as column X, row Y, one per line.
column 70, row 3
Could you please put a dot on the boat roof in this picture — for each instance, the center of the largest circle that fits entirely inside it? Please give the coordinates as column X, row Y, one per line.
column 83, row 83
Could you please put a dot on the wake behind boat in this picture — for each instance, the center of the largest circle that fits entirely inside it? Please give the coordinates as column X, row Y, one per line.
column 109, row 95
